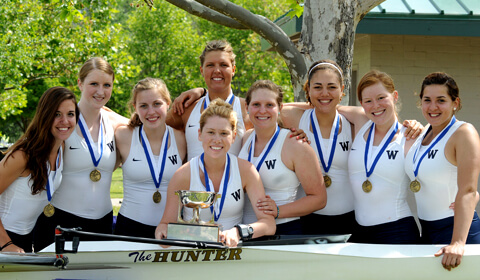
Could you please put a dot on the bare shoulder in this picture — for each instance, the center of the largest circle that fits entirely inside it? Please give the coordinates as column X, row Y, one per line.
column 246, row 135
column 123, row 132
column 466, row 133
column 116, row 119
column 245, row 166
column 181, row 177
column 291, row 115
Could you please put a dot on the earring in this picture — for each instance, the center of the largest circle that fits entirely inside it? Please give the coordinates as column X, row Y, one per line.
column 455, row 109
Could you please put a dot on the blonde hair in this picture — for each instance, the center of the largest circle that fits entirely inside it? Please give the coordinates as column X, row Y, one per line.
column 220, row 108
column 95, row 63
column 218, row 45
column 142, row 85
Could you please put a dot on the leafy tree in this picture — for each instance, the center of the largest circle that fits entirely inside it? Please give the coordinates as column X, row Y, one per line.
column 328, row 31
column 44, row 43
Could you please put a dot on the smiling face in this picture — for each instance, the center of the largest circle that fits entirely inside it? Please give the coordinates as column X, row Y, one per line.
column 218, row 70
column 379, row 104
column 437, row 105
column 65, row 120
column 263, row 108
column 151, row 108
column 216, row 136
column 96, row 88
column 325, row 90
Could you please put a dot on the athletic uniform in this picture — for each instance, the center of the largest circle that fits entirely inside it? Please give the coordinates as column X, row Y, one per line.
column 19, row 209
column 438, row 181
column 194, row 146
column 138, row 210
column 338, row 216
column 280, row 183
column 383, row 213
column 232, row 211
column 80, row 202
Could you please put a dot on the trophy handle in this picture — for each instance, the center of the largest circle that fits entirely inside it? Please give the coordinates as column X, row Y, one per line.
column 180, row 208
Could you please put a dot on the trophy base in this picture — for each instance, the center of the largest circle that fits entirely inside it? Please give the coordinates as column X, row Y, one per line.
column 193, row 232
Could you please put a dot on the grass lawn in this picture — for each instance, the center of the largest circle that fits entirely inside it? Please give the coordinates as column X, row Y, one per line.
column 116, row 189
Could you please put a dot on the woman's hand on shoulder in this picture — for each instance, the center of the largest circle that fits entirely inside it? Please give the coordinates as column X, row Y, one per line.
column 414, row 128
column 186, row 99
column 298, row 134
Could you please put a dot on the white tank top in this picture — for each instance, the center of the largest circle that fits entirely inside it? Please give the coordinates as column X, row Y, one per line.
column 194, row 146
column 19, row 209
column 387, row 200
column 232, row 212
column 78, row 194
column 437, row 177
column 138, row 185
column 339, row 194
column 280, row 183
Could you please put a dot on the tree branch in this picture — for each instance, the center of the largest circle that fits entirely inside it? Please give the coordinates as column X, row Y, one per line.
column 265, row 28
column 199, row 10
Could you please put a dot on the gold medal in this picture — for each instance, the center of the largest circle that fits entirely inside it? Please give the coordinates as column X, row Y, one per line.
column 157, row 197
column 327, row 180
column 49, row 210
column 367, row 186
column 415, row 186
column 95, row 175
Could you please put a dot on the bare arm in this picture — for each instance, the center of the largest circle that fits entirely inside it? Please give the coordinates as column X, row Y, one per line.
column 185, row 99
column 300, row 158
column 123, row 141
column 466, row 152
column 10, row 170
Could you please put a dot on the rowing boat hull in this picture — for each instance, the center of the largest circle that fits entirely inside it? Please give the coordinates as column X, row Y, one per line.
column 124, row 260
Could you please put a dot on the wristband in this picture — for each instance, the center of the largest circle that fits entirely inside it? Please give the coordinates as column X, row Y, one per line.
column 204, row 92
column 278, row 212
column 6, row 245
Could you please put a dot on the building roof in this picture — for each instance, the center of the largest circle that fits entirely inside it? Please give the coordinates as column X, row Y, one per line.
column 423, row 17
column 408, row 17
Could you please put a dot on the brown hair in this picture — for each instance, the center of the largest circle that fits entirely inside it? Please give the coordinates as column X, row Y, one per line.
column 322, row 65
column 146, row 84
column 218, row 45
column 373, row 77
column 442, row 78
column 220, row 108
column 266, row 84
column 95, row 63
column 38, row 140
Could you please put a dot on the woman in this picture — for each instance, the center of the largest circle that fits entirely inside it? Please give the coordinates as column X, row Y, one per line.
column 330, row 134
column 83, row 198
column 150, row 152
column 375, row 167
column 217, row 68
column 217, row 171
column 282, row 165
column 32, row 169
column 443, row 167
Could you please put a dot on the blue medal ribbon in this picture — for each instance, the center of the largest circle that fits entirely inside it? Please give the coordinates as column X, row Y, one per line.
column 49, row 185
column 434, row 142
column 89, row 140
column 229, row 99
column 265, row 152
column 314, row 123
column 226, row 176
column 149, row 154
column 393, row 130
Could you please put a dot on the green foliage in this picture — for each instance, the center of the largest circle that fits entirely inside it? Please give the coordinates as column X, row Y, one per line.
column 48, row 41
column 296, row 8
column 44, row 43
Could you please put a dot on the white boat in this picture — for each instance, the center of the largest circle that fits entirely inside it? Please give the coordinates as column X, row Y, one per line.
column 131, row 260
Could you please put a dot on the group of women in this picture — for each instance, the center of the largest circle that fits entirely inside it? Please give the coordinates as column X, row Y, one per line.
column 60, row 171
